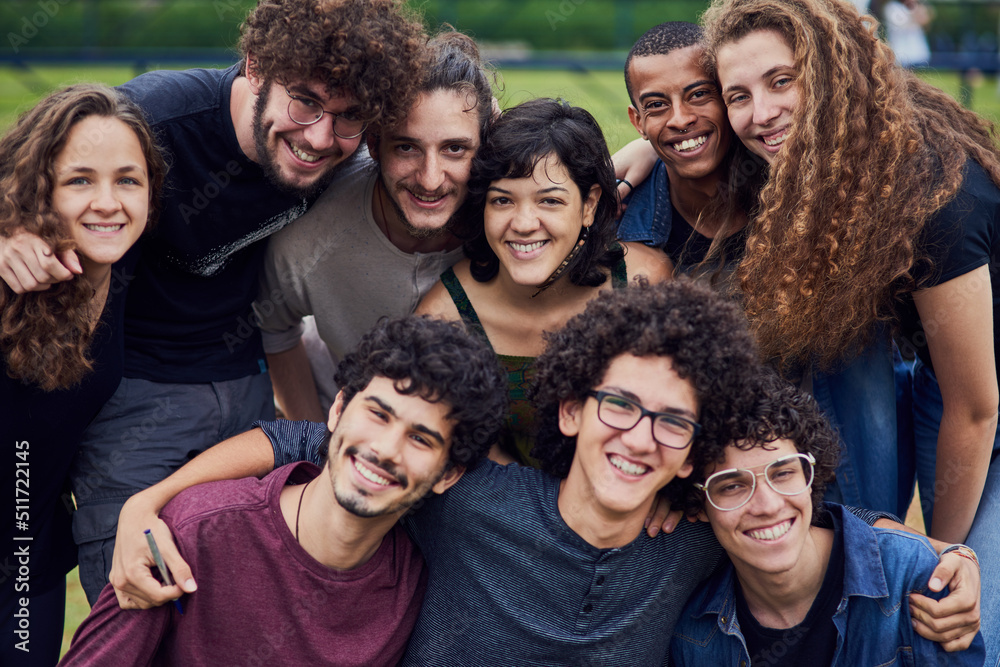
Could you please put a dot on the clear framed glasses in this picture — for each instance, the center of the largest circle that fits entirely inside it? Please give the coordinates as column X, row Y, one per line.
column 307, row 111
column 622, row 413
column 732, row 489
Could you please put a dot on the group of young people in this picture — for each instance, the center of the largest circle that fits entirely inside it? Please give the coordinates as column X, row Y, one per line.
column 412, row 547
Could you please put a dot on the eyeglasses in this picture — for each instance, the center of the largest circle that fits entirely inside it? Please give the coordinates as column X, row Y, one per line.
column 622, row 413
column 732, row 489
column 307, row 111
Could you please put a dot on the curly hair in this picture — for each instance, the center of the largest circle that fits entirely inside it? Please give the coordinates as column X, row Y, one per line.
column 873, row 154
column 524, row 136
column 45, row 336
column 777, row 411
column 372, row 48
column 704, row 335
column 438, row 361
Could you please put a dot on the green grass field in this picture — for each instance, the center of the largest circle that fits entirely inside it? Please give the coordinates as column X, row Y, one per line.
column 601, row 93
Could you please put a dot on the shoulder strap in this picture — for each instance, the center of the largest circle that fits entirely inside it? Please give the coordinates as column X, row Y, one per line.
column 462, row 303
column 619, row 275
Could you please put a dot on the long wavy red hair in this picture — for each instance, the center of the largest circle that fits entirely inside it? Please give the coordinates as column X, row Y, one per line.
column 874, row 153
column 45, row 336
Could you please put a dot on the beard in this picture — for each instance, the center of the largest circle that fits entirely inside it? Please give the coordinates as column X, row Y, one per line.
column 268, row 162
column 356, row 502
column 419, row 233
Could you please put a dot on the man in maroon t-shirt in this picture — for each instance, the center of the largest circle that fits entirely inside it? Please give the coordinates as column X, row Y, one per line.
column 420, row 401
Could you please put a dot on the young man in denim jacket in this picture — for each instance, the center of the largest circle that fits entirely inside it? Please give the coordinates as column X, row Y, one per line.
column 797, row 592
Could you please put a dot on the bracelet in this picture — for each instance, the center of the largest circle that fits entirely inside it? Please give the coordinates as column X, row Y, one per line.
column 963, row 551
column 630, row 187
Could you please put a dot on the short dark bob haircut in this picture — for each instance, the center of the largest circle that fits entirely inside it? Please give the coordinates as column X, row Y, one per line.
column 437, row 361
column 518, row 140
column 776, row 410
column 704, row 335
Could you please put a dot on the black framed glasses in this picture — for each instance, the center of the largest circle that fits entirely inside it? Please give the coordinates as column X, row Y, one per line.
column 307, row 111
column 732, row 489
column 668, row 429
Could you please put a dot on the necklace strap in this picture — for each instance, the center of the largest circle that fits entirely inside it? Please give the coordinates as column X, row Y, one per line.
column 299, row 510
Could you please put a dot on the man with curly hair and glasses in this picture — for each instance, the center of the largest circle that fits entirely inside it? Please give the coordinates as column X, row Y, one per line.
column 250, row 148
column 553, row 567
column 796, row 592
column 309, row 565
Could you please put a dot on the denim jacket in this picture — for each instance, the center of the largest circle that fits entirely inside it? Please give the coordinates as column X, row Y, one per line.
column 881, row 568
column 649, row 215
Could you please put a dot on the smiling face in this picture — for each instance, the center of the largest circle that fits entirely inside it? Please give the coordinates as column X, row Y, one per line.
column 532, row 224
column 298, row 158
column 616, row 474
column 388, row 450
column 101, row 189
column 771, row 532
column 758, row 79
column 679, row 111
column 425, row 160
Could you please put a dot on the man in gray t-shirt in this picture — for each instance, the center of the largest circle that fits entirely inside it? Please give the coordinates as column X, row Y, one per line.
column 379, row 237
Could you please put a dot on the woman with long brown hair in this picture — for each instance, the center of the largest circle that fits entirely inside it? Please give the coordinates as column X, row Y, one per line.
column 80, row 170
column 881, row 210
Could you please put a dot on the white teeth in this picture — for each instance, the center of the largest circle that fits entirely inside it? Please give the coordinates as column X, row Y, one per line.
column 772, row 533
column 691, row 144
column 370, row 476
column 627, row 467
column 526, row 247
column 776, row 141
column 104, row 228
column 302, row 155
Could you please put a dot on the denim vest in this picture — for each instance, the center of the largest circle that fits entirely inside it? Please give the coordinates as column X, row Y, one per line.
column 881, row 568
column 648, row 217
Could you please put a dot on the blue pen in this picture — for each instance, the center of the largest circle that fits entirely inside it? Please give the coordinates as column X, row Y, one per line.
column 164, row 572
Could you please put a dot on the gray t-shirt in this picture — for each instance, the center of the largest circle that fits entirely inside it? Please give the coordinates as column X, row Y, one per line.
column 335, row 264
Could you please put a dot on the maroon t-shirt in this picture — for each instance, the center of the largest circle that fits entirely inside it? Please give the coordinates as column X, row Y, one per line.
column 261, row 599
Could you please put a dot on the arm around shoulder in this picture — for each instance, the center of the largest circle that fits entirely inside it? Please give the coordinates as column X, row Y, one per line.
column 244, row 455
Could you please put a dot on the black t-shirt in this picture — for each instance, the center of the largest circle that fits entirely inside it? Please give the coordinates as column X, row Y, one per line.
column 687, row 247
column 52, row 423
column 188, row 317
column 813, row 641
column 961, row 237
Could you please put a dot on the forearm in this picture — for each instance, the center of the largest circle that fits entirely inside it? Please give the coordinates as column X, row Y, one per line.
column 246, row 455
column 294, row 385
column 965, row 444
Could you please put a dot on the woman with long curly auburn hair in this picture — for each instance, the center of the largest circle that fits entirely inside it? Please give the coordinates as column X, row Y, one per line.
column 880, row 210
column 80, row 170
